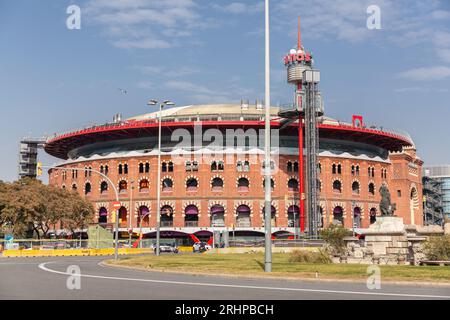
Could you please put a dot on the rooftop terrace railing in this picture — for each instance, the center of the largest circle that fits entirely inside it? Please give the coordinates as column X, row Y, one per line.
column 229, row 117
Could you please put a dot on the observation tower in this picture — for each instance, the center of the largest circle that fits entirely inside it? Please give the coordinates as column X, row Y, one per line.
column 306, row 108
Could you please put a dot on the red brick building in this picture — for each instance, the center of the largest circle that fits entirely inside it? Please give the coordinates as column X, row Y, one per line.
column 220, row 187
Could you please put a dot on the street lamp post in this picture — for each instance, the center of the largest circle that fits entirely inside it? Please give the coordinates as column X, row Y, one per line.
column 140, row 225
column 116, row 213
column 158, row 190
column 267, row 168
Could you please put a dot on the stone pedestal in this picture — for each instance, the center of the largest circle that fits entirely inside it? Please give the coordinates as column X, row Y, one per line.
column 387, row 238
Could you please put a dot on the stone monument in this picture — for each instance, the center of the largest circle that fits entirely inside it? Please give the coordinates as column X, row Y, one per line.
column 387, row 237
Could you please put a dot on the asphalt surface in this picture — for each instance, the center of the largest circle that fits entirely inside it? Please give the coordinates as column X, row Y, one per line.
column 47, row 278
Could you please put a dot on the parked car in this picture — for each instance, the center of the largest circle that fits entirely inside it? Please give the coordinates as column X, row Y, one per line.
column 170, row 248
column 201, row 247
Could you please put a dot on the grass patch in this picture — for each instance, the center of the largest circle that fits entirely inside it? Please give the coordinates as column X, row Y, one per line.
column 253, row 264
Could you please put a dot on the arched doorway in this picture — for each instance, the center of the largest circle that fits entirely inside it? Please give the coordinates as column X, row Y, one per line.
column 217, row 216
column 102, row 215
column 123, row 217
column 357, row 217
column 191, row 216
column 166, row 216
column 144, row 216
column 243, row 218
column 338, row 215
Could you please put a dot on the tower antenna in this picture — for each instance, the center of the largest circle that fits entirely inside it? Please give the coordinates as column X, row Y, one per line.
column 299, row 36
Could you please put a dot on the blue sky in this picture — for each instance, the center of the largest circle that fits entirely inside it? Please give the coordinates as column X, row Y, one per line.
column 194, row 51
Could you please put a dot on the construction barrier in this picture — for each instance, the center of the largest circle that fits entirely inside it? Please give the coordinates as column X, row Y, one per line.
column 72, row 252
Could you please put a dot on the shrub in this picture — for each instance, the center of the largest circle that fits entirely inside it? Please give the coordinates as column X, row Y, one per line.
column 320, row 257
column 334, row 238
column 437, row 248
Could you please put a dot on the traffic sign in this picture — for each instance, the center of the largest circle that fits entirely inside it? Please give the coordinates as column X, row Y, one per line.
column 116, row 204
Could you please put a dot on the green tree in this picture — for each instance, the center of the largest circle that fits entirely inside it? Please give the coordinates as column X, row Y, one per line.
column 33, row 209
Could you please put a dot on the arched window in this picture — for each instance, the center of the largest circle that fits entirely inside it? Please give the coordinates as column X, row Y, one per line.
column 123, row 186
column 243, row 218
column 295, row 166
column 125, row 168
column 104, row 187
column 167, row 185
column 147, row 167
column 289, row 167
column 371, row 189
column 355, row 187
column 357, row 217
column 120, row 169
column 191, row 216
column 217, row 216
column 106, row 170
column 246, row 166
column 144, row 216
column 333, row 169
column 338, row 215
column 191, row 184
column 213, row 166
column 353, row 170
column 339, row 169
column 74, row 187
column 141, row 168
column 102, row 169
column 319, row 185
column 164, row 167
column 357, row 170
column 337, row 186
column 293, row 216
column 239, row 166
column 102, row 215
column 272, row 184
column 273, row 215
column 220, row 166
column 293, row 184
column 319, row 168
column 170, row 166
column 123, row 217
column 87, row 188
column 166, row 216
column 243, row 185
column 217, row 184
column 144, row 185
column 373, row 215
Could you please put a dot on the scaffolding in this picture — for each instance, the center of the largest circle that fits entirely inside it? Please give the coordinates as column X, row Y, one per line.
column 433, row 209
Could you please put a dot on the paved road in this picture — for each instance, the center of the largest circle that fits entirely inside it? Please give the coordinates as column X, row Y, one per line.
column 46, row 278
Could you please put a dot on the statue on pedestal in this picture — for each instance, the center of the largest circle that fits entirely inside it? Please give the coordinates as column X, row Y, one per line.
column 386, row 207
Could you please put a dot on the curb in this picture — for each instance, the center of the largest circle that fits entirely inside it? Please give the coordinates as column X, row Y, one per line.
column 253, row 277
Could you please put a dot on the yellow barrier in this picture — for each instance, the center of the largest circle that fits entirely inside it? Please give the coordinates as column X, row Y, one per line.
column 71, row 252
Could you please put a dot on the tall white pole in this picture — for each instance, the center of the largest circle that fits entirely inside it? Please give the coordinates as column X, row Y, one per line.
column 267, row 191
column 158, row 191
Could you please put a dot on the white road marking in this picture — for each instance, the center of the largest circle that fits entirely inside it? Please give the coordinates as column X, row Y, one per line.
column 42, row 266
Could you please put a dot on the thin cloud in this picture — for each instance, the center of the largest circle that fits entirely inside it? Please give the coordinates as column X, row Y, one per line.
column 144, row 24
column 426, row 73
column 240, row 7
